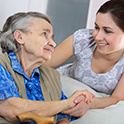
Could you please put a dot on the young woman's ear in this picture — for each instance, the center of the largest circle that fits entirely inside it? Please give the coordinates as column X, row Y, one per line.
column 18, row 35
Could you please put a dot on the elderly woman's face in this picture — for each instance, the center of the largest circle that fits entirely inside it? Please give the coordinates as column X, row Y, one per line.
column 38, row 41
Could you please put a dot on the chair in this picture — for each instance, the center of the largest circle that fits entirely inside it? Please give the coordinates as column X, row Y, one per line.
column 35, row 118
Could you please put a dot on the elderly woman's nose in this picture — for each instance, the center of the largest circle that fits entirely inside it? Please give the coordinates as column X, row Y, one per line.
column 52, row 43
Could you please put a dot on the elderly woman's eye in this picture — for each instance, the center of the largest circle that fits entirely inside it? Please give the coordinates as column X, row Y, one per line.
column 44, row 33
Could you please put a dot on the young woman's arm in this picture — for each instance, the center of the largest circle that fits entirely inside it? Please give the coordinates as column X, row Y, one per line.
column 81, row 108
column 61, row 53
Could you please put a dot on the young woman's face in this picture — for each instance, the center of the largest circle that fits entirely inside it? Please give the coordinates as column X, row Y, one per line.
column 38, row 42
column 108, row 36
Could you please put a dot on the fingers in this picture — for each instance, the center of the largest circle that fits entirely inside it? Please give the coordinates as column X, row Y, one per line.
column 78, row 113
column 79, row 110
column 92, row 95
column 79, row 99
column 72, row 111
column 87, row 96
column 68, row 111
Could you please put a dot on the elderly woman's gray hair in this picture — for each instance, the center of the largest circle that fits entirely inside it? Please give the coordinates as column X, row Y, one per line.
column 19, row 21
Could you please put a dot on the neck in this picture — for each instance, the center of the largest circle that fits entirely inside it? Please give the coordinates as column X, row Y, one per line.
column 28, row 63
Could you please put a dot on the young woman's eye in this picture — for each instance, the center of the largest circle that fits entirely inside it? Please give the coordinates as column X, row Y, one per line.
column 96, row 27
column 107, row 31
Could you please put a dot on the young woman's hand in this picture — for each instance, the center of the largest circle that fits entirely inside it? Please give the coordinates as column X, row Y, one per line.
column 87, row 97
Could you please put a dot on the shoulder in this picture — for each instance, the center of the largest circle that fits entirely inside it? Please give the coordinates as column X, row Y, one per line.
column 4, row 60
column 5, row 76
column 4, row 57
column 84, row 30
column 82, row 38
column 48, row 69
column 83, row 33
column 2, row 70
column 50, row 72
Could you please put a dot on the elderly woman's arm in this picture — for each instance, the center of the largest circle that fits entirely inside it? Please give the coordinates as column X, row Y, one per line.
column 11, row 107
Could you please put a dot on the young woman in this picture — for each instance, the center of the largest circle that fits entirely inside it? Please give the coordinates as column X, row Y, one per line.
column 99, row 56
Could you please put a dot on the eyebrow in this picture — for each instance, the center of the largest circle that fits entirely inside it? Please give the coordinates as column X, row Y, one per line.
column 47, row 30
column 104, row 26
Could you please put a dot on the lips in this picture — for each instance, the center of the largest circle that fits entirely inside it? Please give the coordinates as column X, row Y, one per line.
column 48, row 48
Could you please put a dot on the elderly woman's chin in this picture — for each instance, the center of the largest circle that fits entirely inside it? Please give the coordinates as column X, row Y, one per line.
column 47, row 57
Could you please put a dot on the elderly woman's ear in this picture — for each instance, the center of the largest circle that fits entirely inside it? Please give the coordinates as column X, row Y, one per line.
column 18, row 35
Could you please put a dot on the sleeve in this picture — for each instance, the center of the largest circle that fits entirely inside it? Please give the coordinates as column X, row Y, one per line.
column 7, row 85
column 62, row 115
column 82, row 38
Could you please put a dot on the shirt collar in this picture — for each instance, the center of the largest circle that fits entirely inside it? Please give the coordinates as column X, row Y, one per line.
column 18, row 68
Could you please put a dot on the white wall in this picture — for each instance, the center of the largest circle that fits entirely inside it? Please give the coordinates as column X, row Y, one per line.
column 93, row 7
column 37, row 5
column 9, row 7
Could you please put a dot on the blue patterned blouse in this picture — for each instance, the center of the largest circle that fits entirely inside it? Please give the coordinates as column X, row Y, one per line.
column 8, row 87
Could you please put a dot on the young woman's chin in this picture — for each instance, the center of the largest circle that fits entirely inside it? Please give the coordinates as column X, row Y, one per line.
column 103, row 52
column 106, row 52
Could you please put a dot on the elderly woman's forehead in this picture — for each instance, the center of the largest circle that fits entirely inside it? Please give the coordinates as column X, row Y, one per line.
column 38, row 19
column 41, row 25
column 39, row 22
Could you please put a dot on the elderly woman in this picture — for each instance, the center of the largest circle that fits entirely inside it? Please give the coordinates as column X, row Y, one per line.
column 26, row 42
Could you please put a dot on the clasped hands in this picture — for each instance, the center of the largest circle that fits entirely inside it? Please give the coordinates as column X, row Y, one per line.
column 81, row 103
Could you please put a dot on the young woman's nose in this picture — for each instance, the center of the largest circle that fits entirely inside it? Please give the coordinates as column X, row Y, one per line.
column 99, row 35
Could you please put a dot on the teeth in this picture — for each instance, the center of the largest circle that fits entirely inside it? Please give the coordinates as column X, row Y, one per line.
column 102, row 44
